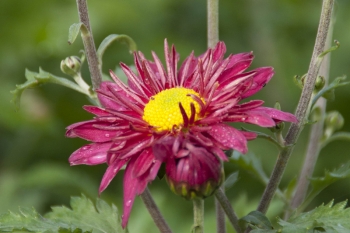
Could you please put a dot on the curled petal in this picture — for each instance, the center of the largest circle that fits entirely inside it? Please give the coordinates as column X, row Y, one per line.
column 229, row 137
column 92, row 154
column 278, row 114
column 260, row 118
column 261, row 77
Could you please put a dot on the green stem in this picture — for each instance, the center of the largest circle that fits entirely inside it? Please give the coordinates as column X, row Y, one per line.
column 89, row 45
column 213, row 22
column 302, row 108
column 226, row 205
column 198, row 215
column 154, row 212
column 220, row 216
column 316, row 133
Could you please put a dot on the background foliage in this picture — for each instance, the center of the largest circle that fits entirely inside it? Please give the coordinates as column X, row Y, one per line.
column 34, row 170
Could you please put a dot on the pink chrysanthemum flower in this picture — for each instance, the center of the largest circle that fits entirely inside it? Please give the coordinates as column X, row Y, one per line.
column 174, row 116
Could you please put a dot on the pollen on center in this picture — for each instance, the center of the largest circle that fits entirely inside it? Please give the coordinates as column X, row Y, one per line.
column 163, row 112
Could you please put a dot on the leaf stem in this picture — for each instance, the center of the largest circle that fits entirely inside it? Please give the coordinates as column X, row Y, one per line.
column 226, row 205
column 316, row 134
column 89, row 45
column 213, row 22
column 198, row 215
column 154, row 212
column 302, row 108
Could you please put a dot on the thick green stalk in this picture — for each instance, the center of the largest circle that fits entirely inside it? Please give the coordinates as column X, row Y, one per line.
column 316, row 133
column 89, row 45
column 198, row 216
column 213, row 22
column 154, row 212
column 302, row 108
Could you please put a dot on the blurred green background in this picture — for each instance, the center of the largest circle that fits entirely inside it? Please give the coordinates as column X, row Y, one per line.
column 34, row 170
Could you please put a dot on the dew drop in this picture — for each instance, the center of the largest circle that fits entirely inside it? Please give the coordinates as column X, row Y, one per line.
column 128, row 203
column 243, row 118
column 85, row 147
column 107, row 135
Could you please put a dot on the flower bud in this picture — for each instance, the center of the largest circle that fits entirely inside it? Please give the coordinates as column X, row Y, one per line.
column 196, row 175
column 319, row 84
column 333, row 121
column 71, row 65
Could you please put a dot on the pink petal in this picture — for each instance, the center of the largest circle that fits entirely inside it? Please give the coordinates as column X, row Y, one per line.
column 106, row 97
column 229, row 137
column 278, row 115
column 88, row 131
column 110, row 173
column 143, row 162
column 131, row 187
column 91, row 154
column 96, row 110
column 261, row 77
column 249, row 135
column 219, row 51
column 260, row 118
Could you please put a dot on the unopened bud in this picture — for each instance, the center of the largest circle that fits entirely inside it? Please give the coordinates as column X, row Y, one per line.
column 320, row 82
column 333, row 121
column 71, row 65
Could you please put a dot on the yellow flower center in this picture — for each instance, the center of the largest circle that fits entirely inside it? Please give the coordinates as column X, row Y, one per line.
column 163, row 111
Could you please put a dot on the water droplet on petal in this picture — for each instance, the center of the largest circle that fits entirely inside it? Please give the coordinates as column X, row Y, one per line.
column 128, row 203
column 107, row 135
column 85, row 147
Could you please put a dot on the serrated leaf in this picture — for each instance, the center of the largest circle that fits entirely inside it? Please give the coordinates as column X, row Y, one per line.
column 74, row 30
column 326, row 218
column 83, row 214
column 29, row 220
column 231, row 180
column 320, row 183
column 35, row 79
column 258, row 220
column 83, row 217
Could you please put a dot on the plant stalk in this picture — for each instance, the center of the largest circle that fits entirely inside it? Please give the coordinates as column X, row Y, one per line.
column 226, row 205
column 198, row 215
column 89, row 45
column 316, row 134
column 213, row 22
column 220, row 215
column 154, row 212
column 302, row 108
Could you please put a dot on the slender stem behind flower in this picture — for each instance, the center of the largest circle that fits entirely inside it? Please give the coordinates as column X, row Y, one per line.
column 213, row 22
column 316, row 133
column 198, row 215
column 226, row 205
column 302, row 108
column 89, row 45
column 154, row 212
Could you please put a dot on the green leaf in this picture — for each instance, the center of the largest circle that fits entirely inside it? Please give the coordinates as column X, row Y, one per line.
column 258, row 220
column 74, row 30
column 35, row 79
column 231, row 180
column 109, row 40
column 320, row 183
column 325, row 218
column 336, row 136
column 84, row 215
column 328, row 91
column 29, row 220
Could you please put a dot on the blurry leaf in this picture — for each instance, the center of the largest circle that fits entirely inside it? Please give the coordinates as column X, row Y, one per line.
column 84, row 215
column 249, row 163
column 74, row 30
column 336, row 136
column 320, row 183
column 109, row 40
column 29, row 220
column 325, row 218
column 324, row 53
column 258, row 220
column 328, row 91
column 231, row 180
column 35, row 79
column 288, row 192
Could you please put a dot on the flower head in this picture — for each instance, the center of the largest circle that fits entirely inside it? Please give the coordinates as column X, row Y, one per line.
column 175, row 116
